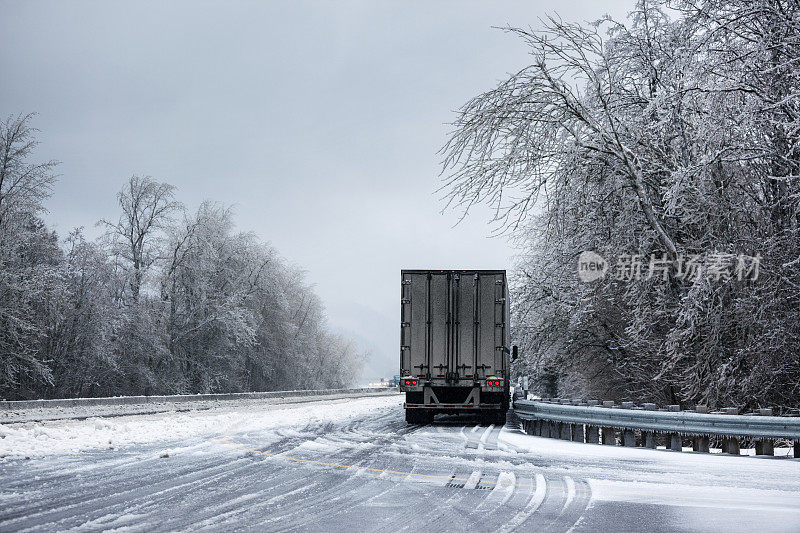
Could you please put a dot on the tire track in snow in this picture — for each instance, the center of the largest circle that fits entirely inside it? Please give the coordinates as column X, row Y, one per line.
column 374, row 472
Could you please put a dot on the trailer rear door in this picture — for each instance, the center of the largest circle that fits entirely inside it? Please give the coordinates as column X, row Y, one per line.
column 453, row 324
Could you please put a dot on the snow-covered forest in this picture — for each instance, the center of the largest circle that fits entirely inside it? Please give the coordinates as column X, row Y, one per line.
column 669, row 135
column 166, row 301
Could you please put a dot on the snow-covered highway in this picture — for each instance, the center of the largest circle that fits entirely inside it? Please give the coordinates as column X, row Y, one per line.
column 354, row 464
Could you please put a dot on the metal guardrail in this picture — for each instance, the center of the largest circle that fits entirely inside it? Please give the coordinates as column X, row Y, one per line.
column 177, row 398
column 76, row 408
column 681, row 422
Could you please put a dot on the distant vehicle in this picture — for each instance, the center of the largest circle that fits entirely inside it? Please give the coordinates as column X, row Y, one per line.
column 454, row 355
column 395, row 380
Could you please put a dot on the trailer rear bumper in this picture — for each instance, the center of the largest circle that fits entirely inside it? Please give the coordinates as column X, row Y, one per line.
column 464, row 407
column 455, row 399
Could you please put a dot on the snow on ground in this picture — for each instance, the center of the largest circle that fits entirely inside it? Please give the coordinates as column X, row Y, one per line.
column 355, row 461
column 39, row 439
column 662, row 477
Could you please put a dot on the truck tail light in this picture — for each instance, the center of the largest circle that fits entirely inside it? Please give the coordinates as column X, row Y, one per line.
column 414, row 382
column 408, row 382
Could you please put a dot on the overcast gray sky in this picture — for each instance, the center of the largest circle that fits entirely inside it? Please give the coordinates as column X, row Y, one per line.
column 320, row 121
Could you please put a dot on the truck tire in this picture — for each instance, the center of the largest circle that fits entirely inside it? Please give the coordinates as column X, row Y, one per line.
column 500, row 419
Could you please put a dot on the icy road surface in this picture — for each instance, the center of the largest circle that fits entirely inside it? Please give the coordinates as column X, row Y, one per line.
column 354, row 465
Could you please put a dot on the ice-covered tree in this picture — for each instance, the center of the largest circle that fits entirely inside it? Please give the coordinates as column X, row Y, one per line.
column 674, row 133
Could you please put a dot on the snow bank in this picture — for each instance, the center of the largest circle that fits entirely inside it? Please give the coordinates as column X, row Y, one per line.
column 38, row 439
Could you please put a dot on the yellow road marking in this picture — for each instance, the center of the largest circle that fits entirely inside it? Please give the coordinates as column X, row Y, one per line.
column 234, row 445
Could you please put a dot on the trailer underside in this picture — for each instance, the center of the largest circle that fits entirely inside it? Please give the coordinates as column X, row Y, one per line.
column 422, row 406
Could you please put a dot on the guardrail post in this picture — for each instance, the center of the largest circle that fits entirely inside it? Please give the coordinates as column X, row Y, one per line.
column 577, row 432
column 566, row 431
column 700, row 443
column 765, row 446
column 675, row 441
column 730, row 445
column 649, row 437
column 628, row 438
column 592, row 432
column 608, row 435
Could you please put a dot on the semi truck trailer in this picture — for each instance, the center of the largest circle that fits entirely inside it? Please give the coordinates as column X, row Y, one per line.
column 454, row 344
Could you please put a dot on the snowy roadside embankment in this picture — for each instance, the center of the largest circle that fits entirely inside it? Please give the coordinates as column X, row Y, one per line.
column 52, row 437
column 664, row 477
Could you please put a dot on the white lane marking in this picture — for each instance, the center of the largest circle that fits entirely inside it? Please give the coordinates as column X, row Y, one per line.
column 506, row 482
column 487, row 433
column 482, row 441
column 502, row 491
column 472, row 482
column 541, row 491
column 570, row 491
column 533, row 505
column 589, row 504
